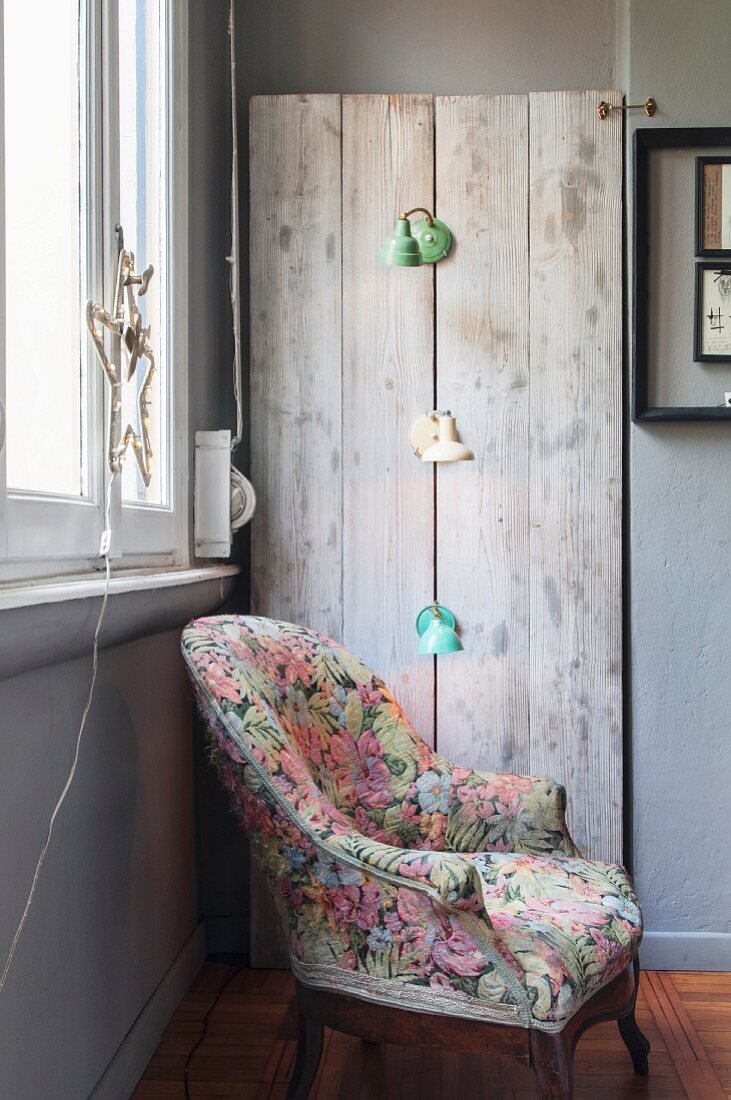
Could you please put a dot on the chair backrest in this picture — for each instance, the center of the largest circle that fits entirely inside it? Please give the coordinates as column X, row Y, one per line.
column 315, row 699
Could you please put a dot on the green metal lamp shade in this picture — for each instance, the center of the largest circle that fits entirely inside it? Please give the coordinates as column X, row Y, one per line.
column 401, row 249
column 425, row 242
column 436, row 628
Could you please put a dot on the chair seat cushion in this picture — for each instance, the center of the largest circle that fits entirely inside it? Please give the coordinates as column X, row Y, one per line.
column 551, row 933
column 565, row 926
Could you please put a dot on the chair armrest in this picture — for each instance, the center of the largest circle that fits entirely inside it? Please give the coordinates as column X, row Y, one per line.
column 507, row 813
column 449, row 877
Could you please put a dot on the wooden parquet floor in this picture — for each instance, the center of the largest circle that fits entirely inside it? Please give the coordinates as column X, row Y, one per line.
column 248, row 1051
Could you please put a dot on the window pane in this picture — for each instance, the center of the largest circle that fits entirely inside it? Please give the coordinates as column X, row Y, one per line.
column 142, row 171
column 43, row 154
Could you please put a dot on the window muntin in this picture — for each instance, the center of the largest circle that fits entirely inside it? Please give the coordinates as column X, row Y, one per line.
column 142, row 213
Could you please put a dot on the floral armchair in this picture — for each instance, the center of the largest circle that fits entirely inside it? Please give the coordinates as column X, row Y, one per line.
column 402, row 880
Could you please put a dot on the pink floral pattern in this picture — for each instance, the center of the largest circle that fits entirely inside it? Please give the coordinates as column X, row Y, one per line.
column 506, row 813
column 388, row 863
column 565, row 925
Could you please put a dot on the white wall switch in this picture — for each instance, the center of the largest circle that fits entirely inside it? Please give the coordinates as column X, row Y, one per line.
column 212, row 494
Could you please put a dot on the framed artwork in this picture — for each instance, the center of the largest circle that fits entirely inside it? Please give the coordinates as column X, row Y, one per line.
column 712, row 330
column 713, row 207
column 681, row 334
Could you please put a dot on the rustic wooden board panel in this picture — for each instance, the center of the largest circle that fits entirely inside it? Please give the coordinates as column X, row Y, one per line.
column 575, row 459
column 482, row 376
column 295, row 257
column 528, row 538
column 388, row 362
column 267, row 940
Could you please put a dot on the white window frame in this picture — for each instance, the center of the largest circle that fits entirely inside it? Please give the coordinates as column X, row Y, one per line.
column 45, row 535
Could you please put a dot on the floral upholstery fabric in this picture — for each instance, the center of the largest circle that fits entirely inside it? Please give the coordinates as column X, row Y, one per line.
column 398, row 876
column 506, row 813
column 564, row 925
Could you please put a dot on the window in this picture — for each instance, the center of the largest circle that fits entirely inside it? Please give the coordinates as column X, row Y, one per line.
column 90, row 138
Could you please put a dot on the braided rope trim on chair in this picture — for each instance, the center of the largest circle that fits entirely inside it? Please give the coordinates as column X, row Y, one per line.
column 406, row 995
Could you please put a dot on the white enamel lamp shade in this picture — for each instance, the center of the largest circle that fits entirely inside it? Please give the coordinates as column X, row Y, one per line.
column 434, row 439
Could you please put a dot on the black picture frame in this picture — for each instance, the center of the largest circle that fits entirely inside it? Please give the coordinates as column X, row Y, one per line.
column 700, row 164
column 699, row 312
column 645, row 141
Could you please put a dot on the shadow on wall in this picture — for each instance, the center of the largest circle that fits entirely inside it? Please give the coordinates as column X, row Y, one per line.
column 419, row 45
column 116, row 899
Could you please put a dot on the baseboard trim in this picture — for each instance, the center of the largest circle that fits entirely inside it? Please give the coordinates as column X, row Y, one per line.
column 686, row 951
column 140, row 1042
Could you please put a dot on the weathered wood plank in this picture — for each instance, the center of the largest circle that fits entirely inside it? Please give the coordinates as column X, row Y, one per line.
column 295, row 256
column 575, row 460
column 482, row 376
column 267, row 941
column 388, row 352
column 295, row 259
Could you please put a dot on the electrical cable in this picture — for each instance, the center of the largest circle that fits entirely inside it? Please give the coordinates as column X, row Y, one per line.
column 217, row 998
column 243, row 496
column 233, row 259
column 104, row 552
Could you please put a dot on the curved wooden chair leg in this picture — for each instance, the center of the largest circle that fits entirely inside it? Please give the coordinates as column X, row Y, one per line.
column 552, row 1058
column 309, row 1051
column 636, row 1043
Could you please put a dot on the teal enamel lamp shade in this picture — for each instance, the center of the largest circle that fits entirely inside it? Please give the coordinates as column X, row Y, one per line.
column 401, row 249
column 425, row 242
column 436, row 626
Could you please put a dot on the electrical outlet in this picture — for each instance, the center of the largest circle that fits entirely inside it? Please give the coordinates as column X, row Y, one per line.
column 728, row 400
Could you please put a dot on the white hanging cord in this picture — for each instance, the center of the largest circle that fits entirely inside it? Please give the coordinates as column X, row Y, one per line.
column 233, row 259
column 243, row 497
column 104, row 552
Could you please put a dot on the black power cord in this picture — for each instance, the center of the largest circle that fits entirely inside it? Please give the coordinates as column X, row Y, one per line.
column 219, row 994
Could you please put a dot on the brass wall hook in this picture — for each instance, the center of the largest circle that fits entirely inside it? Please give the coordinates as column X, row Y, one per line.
column 649, row 107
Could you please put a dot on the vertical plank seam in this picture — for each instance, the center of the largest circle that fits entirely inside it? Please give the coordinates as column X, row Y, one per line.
column 625, row 557
column 435, row 398
column 342, row 386
column 529, row 283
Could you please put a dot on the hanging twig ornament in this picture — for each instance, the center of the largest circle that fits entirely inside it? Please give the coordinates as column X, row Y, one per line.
column 126, row 324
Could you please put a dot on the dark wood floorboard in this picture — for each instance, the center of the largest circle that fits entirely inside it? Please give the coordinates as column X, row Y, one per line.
column 248, row 1051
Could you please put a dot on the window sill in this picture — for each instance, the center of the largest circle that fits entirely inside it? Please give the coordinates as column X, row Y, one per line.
column 87, row 585
column 45, row 622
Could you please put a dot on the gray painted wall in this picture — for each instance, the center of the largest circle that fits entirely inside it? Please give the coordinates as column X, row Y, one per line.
column 116, row 900
column 680, row 580
column 680, row 510
column 425, row 45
